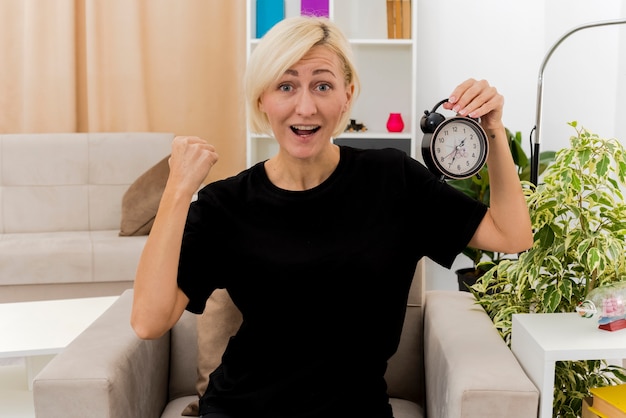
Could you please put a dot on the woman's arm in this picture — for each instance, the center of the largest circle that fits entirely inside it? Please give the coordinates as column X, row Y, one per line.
column 158, row 301
column 506, row 227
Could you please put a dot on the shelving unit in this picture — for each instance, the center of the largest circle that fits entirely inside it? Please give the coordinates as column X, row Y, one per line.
column 387, row 68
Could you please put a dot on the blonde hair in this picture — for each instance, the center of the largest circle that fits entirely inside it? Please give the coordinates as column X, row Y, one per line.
column 284, row 45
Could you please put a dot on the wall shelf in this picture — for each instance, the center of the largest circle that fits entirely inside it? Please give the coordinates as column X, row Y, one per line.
column 387, row 68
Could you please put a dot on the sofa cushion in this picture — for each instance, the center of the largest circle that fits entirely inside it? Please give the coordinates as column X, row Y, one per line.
column 47, row 257
column 115, row 258
column 44, row 180
column 173, row 408
column 220, row 320
column 59, row 208
column 405, row 409
column 121, row 157
column 105, row 206
column 141, row 200
column 68, row 257
column 116, row 160
column 71, row 181
column 52, row 159
column 61, row 205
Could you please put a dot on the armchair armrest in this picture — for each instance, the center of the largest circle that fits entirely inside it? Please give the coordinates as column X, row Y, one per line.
column 106, row 372
column 470, row 371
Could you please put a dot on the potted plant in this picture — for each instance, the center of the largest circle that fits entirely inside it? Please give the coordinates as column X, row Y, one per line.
column 478, row 188
column 578, row 214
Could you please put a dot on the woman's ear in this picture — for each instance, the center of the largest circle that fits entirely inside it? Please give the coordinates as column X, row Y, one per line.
column 349, row 93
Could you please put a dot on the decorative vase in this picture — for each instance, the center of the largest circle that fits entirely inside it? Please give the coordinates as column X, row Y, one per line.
column 395, row 122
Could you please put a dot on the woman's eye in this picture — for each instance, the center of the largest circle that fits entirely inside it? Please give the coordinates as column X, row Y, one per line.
column 324, row 87
column 285, row 87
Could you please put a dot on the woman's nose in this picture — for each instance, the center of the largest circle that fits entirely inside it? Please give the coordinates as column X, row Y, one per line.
column 305, row 104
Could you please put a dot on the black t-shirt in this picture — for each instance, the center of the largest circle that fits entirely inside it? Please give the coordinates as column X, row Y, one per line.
column 321, row 277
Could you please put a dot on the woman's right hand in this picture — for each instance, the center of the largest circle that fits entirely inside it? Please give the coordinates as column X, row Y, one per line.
column 190, row 163
column 158, row 301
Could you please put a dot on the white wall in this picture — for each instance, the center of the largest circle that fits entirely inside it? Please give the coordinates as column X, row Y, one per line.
column 505, row 42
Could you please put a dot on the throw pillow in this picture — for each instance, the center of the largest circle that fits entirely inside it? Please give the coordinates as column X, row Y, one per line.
column 141, row 201
column 220, row 320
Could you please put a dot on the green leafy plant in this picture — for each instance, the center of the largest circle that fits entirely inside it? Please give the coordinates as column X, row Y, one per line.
column 578, row 213
column 478, row 188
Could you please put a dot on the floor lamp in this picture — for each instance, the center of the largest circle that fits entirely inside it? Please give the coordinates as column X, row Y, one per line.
column 534, row 166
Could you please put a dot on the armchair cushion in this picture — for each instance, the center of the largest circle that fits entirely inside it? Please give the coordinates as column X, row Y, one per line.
column 141, row 201
column 220, row 320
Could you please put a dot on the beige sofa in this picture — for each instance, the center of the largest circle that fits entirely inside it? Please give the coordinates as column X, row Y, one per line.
column 451, row 363
column 60, row 212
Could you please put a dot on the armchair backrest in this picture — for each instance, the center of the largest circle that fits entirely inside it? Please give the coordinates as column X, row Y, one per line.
column 183, row 357
column 405, row 374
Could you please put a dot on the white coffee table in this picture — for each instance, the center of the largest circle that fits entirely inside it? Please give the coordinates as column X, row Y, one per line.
column 37, row 330
column 540, row 340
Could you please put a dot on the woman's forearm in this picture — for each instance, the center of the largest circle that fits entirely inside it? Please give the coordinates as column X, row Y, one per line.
column 508, row 208
column 158, row 302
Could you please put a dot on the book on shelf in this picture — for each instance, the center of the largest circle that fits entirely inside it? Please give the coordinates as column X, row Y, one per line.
column 268, row 13
column 609, row 401
column 399, row 19
column 314, row 7
column 586, row 412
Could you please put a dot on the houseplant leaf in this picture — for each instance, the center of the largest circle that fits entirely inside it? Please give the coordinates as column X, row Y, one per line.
column 578, row 214
column 478, row 188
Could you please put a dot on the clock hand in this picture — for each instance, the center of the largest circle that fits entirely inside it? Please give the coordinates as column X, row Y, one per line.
column 454, row 151
column 461, row 148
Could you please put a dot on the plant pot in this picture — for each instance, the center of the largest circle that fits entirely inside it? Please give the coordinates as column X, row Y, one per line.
column 467, row 277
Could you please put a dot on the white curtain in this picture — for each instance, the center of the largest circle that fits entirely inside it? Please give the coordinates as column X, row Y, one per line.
column 126, row 65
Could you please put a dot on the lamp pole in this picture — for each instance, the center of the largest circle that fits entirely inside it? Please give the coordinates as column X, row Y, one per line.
column 534, row 166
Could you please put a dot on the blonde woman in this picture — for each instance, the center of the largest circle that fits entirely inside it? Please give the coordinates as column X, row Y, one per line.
column 313, row 235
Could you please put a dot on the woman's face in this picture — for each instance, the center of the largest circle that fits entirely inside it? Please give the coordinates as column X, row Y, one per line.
column 306, row 103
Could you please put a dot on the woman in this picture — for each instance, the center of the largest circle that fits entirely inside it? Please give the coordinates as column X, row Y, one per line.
column 304, row 239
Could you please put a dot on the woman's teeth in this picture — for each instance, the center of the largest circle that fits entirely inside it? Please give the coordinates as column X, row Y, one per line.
column 304, row 129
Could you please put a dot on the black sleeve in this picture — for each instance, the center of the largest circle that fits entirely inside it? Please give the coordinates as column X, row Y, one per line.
column 198, row 270
column 446, row 218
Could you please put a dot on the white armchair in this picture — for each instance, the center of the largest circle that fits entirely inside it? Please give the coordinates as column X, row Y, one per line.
column 107, row 372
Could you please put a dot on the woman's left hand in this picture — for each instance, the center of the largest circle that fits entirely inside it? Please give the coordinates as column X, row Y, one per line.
column 506, row 226
column 477, row 99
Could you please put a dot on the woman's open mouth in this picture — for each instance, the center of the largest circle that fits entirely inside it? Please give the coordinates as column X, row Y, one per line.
column 304, row 130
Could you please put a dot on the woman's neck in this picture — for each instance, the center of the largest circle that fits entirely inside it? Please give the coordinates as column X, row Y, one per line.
column 295, row 174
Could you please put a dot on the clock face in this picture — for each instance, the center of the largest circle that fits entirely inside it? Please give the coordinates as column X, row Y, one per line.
column 459, row 147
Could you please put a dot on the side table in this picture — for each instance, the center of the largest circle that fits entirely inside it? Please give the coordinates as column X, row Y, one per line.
column 37, row 330
column 540, row 340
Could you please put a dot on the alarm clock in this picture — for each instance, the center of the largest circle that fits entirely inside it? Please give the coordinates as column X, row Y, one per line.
column 453, row 148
